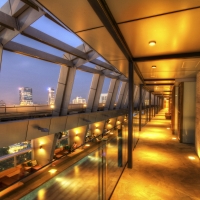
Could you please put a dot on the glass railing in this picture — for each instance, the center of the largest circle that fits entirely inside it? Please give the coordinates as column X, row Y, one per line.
column 93, row 177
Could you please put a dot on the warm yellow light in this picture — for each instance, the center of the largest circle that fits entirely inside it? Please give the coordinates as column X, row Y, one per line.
column 168, row 128
column 152, row 43
column 191, row 157
column 52, row 106
column 153, row 67
column 173, row 138
column 103, row 104
column 111, row 133
column 87, row 145
column 52, row 171
column 84, row 105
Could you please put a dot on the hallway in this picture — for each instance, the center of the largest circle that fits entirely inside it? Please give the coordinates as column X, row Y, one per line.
column 162, row 168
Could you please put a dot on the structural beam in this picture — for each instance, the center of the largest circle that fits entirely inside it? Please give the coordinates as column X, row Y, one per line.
column 149, row 106
column 122, row 93
column 98, row 93
column 156, row 84
column 130, row 114
column 125, row 97
column 110, row 93
column 53, row 42
column 60, row 90
column 7, row 21
column 114, row 95
column 140, row 108
column 89, row 69
column 67, row 90
column 24, row 20
column 92, row 92
column 34, row 53
column 165, row 79
column 169, row 56
column 154, row 105
column 101, row 9
column 102, row 64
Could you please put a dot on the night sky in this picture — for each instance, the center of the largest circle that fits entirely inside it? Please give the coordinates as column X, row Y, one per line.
column 22, row 71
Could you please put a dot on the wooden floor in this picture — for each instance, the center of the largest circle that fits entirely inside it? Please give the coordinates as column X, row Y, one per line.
column 161, row 167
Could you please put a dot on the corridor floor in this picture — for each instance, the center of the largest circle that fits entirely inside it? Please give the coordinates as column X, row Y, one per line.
column 161, row 169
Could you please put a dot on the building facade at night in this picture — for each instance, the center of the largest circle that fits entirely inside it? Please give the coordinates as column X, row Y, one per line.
column 25, row 96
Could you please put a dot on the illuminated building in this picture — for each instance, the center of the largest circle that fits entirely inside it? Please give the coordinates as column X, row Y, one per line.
column 25, row 96
column 103, row 97
column 79, row 100
column 51, row 96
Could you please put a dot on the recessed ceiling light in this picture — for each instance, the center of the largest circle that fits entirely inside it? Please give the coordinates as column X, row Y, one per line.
column 152, row 43
column 153, row 66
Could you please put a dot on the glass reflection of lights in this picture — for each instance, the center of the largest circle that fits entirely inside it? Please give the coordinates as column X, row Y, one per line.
column 52, row 171
column 41, row 194
column 191, row 157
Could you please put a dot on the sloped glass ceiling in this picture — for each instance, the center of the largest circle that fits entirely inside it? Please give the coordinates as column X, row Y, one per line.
column 51, row 28
column 37, row 45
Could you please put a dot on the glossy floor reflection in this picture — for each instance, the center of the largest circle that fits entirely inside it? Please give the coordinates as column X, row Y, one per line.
column 161, row 167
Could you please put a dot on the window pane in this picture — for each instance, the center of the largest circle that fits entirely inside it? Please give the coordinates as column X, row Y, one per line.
column 37, row 45
column 81, row 87
column 24, row 157
column 21, row 71
column 6, row 164
column 104, row 92
column 49, row 27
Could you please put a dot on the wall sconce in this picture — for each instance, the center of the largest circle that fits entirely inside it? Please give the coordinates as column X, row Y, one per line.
column 41, row 146
column 76, row 134
column 97, row 127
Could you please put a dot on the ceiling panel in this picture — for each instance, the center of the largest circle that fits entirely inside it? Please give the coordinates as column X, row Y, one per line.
column 121, row 65
column 174, row 33
column 167, row 69
column 165, row 75
column 124, row 10
column 100, row 40
column 78, row 15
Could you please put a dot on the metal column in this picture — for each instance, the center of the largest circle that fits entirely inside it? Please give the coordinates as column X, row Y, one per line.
column 154, row 105
column 140, row 109
column 149, row 106
column 130, row 115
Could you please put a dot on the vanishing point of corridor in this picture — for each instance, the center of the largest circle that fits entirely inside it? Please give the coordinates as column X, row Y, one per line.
column 163, row 168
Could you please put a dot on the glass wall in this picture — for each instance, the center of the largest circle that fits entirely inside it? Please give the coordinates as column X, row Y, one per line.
column 26, row 72
column 93, row 177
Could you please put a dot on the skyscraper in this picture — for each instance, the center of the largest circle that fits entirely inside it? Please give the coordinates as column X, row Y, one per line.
column 51, row 96
column 25, row 96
